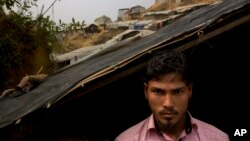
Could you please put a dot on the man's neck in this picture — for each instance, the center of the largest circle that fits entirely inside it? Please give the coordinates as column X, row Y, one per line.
column 175, row 131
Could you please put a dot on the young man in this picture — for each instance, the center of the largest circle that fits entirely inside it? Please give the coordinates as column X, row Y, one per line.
column 168, row 89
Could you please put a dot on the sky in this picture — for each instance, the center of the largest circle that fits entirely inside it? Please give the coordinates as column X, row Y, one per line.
column 87, row 10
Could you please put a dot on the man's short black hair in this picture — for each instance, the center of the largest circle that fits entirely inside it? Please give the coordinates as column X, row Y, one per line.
column 166, row 62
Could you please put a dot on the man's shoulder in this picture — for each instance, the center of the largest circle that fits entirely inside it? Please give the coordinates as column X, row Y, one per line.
column 132, row 133
column 211, row 130
column 206, row 126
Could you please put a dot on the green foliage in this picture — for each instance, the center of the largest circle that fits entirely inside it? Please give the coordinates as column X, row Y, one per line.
column 21, row 36
column 9, row 3
column 8, row 55
column 71, row 27
column 23, row 5
column 45, row 32
column 14, row 36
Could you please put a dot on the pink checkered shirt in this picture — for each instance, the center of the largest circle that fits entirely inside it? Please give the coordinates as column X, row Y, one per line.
column 145, row 131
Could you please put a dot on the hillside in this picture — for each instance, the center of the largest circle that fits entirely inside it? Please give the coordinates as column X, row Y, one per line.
column 77, row 40
column 170, row 5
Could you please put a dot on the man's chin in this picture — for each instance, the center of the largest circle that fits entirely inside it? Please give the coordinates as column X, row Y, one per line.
column 168, row 122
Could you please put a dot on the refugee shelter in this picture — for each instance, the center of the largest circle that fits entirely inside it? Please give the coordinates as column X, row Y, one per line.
column 98, row 98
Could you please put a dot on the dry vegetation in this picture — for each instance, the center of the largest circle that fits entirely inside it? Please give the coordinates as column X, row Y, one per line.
column 78, row 40
column 170, row 5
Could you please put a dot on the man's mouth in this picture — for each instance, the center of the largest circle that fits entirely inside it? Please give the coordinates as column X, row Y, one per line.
column 168, row 114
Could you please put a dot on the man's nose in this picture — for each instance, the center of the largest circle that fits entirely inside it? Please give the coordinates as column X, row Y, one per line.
column 168, row 101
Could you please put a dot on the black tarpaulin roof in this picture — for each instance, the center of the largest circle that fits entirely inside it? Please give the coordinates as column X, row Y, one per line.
column 73, row 77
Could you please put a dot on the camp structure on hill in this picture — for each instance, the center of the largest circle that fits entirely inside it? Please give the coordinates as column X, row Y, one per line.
column 216, row 37
column 118, row 41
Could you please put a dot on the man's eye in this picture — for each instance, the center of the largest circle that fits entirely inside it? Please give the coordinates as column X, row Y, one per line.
column 178, row 91
column 157, row 91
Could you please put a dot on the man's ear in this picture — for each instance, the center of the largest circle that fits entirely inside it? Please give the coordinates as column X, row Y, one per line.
column 145, row 90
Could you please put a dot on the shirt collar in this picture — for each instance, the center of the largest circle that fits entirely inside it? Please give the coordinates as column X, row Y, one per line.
column 189, row 125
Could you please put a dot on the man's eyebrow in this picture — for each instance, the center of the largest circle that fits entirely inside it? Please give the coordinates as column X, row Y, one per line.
column 155, row 87
column 178, row 88
column 173, row 89
column 181, row 87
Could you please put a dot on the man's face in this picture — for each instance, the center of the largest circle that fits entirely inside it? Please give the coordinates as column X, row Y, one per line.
column 168, row 99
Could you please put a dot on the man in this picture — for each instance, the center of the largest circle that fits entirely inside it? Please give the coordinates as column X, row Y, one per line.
column 168, row 89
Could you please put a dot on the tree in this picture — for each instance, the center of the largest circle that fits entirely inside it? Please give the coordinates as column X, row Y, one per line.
column 20, row 39
column 23, row 38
